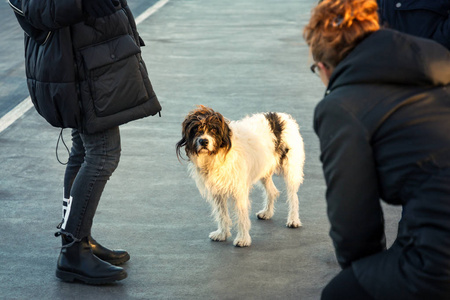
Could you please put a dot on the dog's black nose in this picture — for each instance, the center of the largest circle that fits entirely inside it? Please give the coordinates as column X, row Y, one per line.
column 203, row 142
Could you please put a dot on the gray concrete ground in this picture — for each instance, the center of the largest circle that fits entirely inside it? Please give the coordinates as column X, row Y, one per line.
column 239, row 57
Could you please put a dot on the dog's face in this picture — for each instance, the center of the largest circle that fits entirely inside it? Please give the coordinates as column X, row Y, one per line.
column 204, row 131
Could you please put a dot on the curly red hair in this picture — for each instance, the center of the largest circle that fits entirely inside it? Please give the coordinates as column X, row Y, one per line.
column 337, row 26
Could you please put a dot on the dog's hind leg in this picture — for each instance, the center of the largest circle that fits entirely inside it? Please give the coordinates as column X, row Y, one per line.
column 293, row 177
column 242, row 204
column 271, row 195
column 293, row 220
column 220, row 212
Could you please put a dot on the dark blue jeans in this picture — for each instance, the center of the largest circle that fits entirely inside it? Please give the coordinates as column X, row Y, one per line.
column 93, row 159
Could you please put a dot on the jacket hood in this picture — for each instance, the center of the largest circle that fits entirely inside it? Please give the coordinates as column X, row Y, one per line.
column 390, row 57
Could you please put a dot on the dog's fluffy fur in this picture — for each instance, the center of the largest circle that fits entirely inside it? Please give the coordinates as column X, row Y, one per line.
column 228, row 158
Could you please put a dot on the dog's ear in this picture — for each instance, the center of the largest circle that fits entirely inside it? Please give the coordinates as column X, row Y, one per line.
column 181, row 143
column 225, row 134
column 184, row 137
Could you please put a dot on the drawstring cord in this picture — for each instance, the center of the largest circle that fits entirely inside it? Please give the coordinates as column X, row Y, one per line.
column 60, row 137
column 67, row 234
column 59, row 233
column 60, row 224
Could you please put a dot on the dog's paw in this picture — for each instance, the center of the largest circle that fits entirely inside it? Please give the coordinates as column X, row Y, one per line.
column 243, row 242
column 294, row 223
column 264, row 215
column 219, row 236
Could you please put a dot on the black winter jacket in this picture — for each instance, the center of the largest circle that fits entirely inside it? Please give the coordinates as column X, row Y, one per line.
column 384, row 130
column 423, row 18
column 82, row 72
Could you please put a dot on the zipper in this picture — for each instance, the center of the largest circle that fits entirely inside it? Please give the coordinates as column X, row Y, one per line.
column 17, row 10
column 46, row 38
column 21, row 13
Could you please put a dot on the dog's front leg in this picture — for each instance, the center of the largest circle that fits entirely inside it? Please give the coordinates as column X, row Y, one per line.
column 220, row 212
column 242, row 204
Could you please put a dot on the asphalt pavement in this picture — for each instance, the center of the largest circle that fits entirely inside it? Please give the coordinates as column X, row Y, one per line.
column 238, row 57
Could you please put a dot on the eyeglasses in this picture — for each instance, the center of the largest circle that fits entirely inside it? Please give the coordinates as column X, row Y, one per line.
column 313, row 68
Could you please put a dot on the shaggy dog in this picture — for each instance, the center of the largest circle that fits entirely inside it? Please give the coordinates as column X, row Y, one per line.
column 228, row 158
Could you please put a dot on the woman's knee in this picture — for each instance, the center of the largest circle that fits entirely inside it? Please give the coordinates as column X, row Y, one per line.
column 103, row 151
column 112, row 161
column 113, row 148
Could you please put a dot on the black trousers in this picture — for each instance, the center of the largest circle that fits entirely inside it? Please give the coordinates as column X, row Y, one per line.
column 93, row 159
column 345, row 287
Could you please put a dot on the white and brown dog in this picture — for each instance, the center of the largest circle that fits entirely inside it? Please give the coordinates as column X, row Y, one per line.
column 228, row 158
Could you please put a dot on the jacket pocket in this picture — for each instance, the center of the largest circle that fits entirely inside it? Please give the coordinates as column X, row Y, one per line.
column 114, row 76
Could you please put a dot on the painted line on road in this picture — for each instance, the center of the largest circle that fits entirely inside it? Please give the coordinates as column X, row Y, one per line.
column 26, row 104
column 154, row 8
column 15, row 113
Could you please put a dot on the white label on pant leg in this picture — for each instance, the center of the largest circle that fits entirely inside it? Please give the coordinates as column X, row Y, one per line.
column 67, row 204
column 64, row 207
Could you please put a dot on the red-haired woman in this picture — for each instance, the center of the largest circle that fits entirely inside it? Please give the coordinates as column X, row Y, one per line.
column 384, row 129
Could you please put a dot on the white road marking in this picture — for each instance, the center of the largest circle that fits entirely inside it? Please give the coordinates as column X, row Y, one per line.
column 15, row 113
column 150, row 11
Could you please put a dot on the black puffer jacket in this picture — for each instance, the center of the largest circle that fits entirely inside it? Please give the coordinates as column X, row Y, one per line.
column 384, row 130
column 82, row 72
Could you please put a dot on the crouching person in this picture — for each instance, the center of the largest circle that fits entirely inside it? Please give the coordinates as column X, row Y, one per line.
column 383, row 128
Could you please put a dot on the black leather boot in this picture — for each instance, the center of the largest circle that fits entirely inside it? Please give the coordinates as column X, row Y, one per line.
column 77, row 262
column 115, row 257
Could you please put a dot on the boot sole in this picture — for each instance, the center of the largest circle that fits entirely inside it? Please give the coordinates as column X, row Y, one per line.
column 70, row 277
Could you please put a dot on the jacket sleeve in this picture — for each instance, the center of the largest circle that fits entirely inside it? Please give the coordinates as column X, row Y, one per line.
column 50, row 15
column 353, row 205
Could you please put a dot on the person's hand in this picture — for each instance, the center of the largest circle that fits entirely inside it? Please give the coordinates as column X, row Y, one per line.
column 99, row 8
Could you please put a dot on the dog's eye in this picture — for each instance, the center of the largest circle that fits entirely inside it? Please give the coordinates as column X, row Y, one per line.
column 213, row 130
